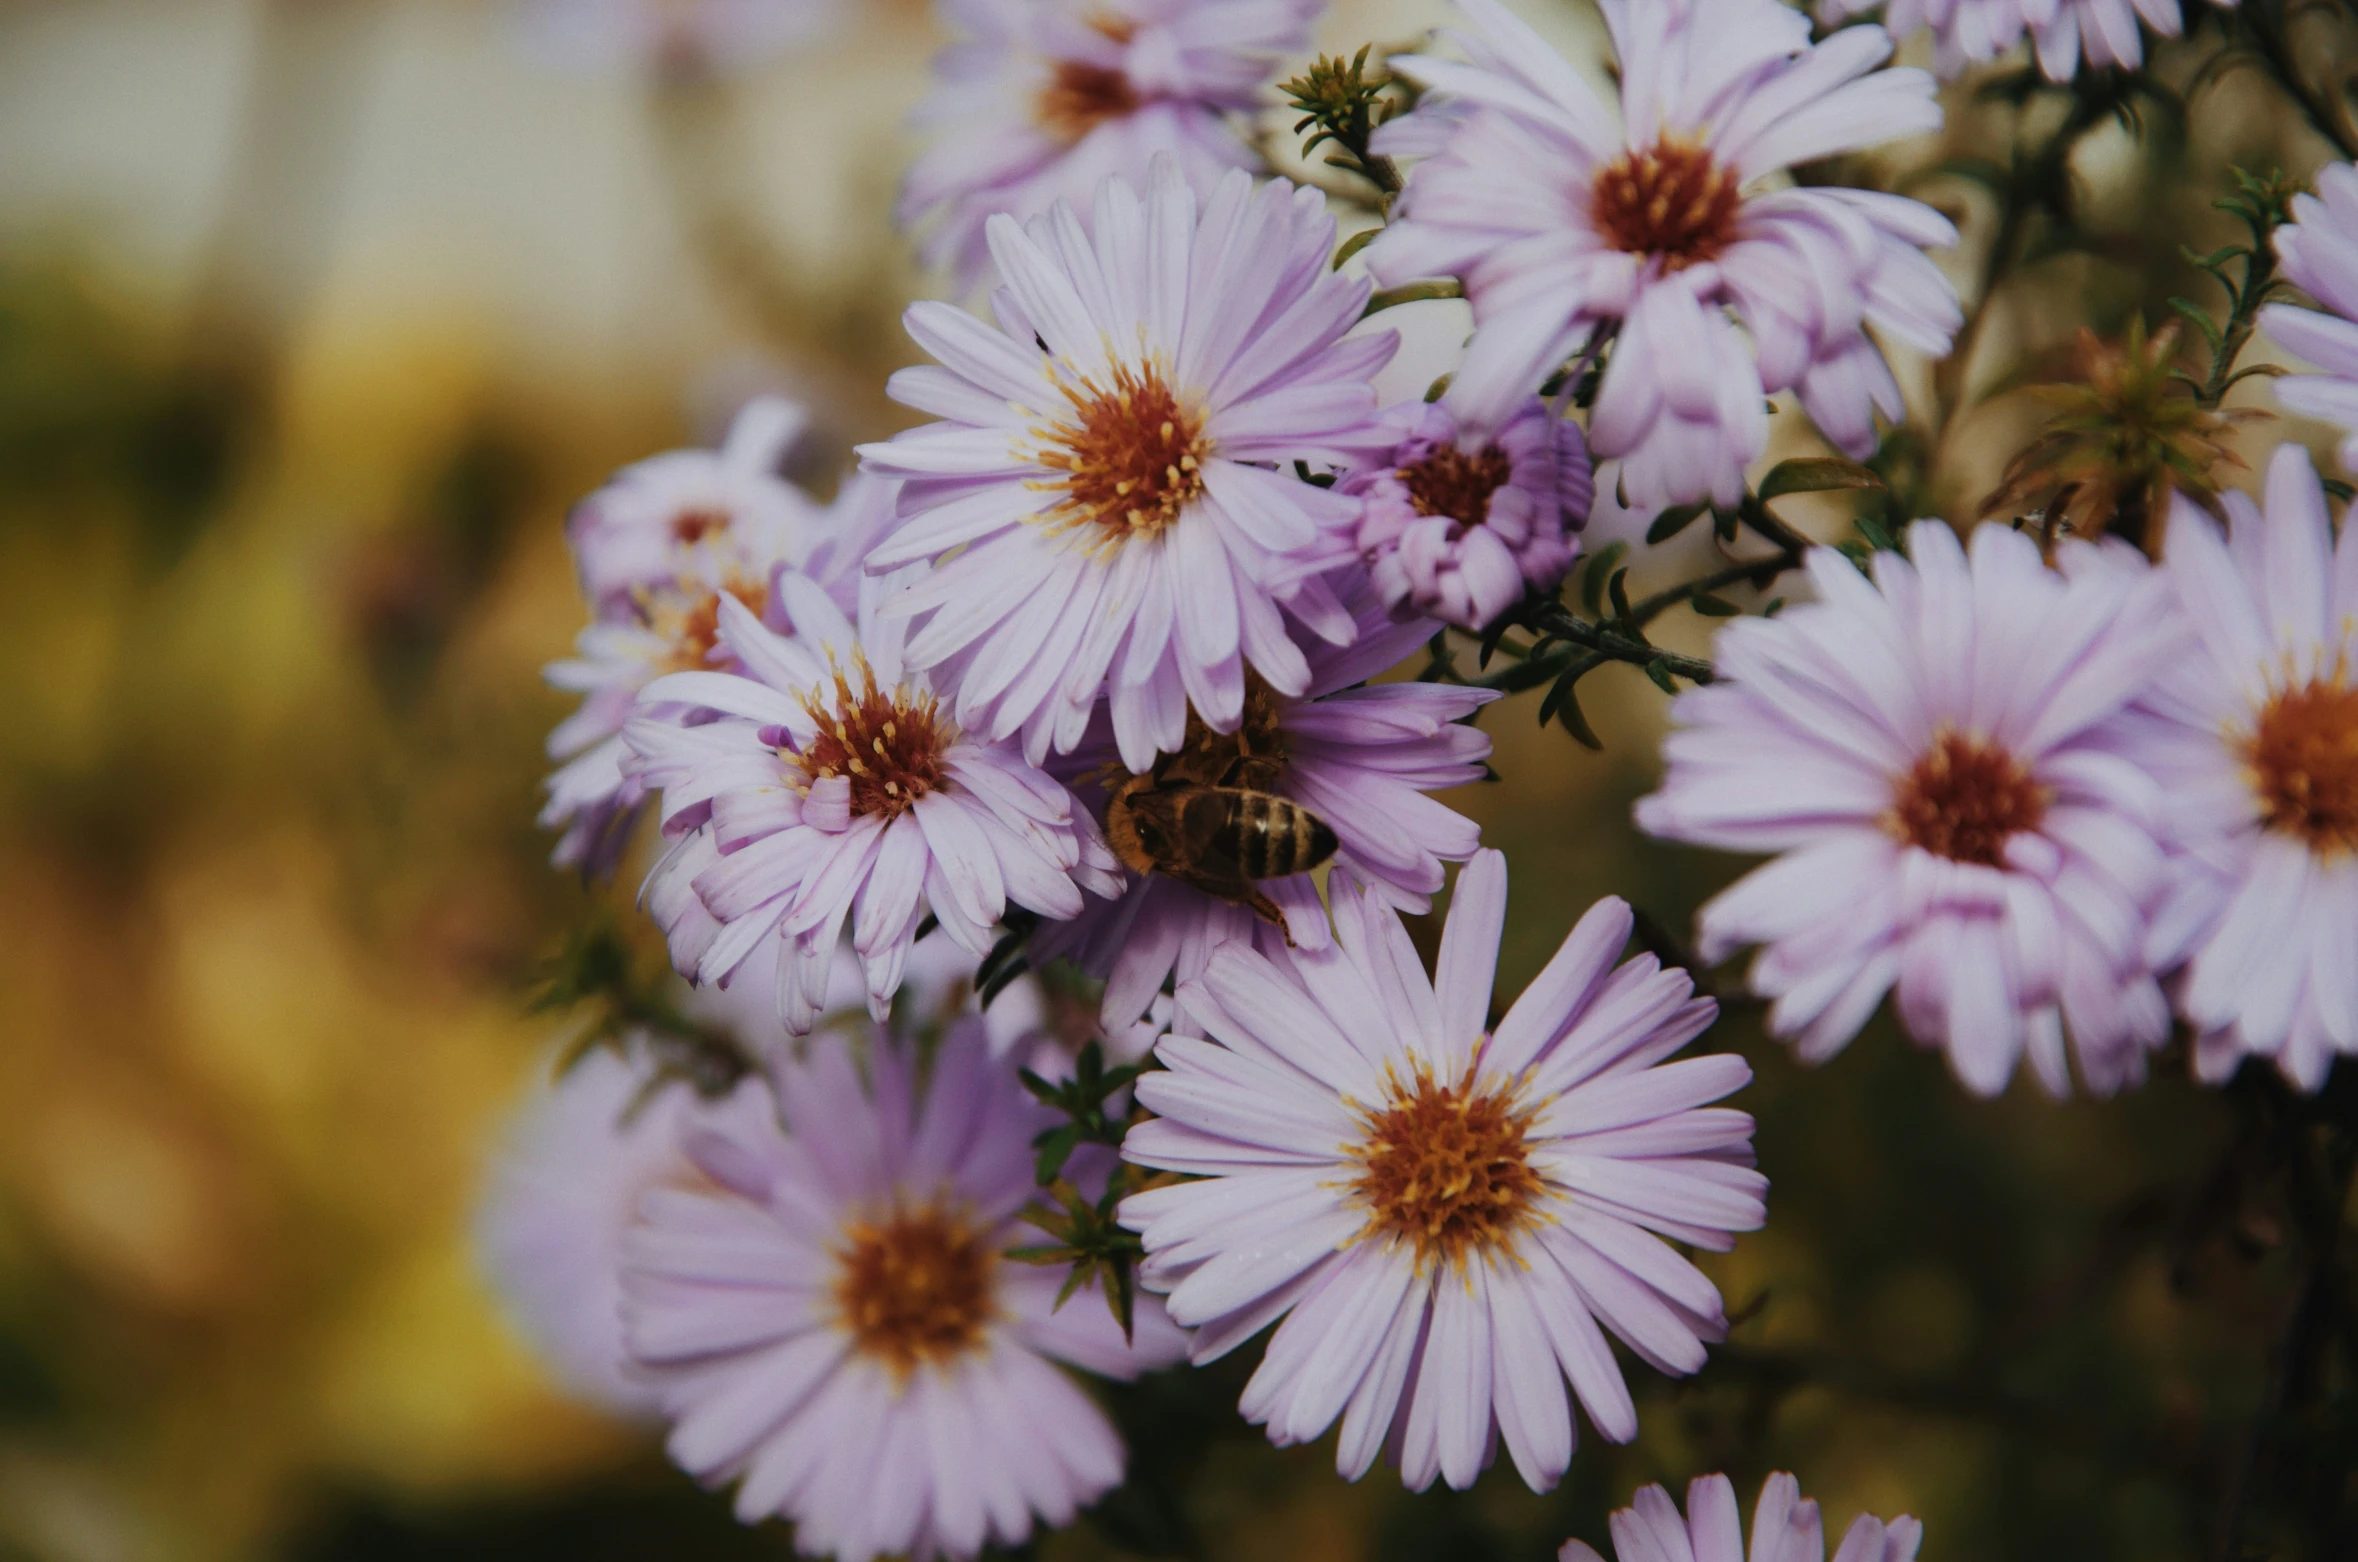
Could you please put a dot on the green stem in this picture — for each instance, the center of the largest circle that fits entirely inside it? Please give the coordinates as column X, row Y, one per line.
column 1412, row 292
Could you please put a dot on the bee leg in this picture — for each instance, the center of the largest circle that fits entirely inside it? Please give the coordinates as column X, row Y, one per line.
column 1268, row 911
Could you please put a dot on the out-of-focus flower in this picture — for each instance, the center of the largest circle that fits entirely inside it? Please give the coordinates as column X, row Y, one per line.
column 1041, row 100
column 581, row 1153
column 2125, row 434
column 671, row 35
column 1567, row 222
column 1941, row 756
column 1442, row 1214
column 2319, row 252
column 1111, row 498
column 1464, row 516
column 2063, row 32
column 2261, row 774
column 1359, row 756
column 837, row 791
column 657, row 548
column 834, row 1323
column 1785, row 1528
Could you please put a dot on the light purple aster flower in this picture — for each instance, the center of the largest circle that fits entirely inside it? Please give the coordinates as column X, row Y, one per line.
column 1360, row 756
column 2261, row 773
column 2318, row 250
column 1441, row 1214
column 1566, row 221
column 657, row 548
column 1974, row 32
column 1941, row 757
column 835, row 1324
column 1465, row 515
column 697, row 35
column 1785, row 1528
column 837, row 791
column 1110, row 498
column 581, row 1153
column 1041, row 100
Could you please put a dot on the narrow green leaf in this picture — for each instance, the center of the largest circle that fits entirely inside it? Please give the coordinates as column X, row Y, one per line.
column 1713, row 607
column 1354, row 244
column 1618, row 590
column 1672, row 521
column 1813, row 474
column 1592, row 579
column 1659, row 671
column 2188, row 308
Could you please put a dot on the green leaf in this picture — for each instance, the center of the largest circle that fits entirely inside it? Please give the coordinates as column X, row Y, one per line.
column 1592, row 579
column 1672, row 521
column 2190, row 310
column 1056, row 1147
column 1617, row 589
column 1775, row 606
column 1713, row 607
column 1814, row 474
column 1354, row 244
column 1659, row 671
column 1563, row 703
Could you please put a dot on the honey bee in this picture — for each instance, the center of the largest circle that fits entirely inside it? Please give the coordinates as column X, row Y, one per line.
column 1210, row 815
column 1218, row 839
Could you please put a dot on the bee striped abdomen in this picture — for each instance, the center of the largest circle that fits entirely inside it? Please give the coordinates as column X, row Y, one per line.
column 1276, row 836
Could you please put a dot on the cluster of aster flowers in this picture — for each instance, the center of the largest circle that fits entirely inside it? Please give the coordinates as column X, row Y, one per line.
column 1088, row 674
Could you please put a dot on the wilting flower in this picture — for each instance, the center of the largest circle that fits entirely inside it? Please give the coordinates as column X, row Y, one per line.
column 1041, row 100
column 837, row 790
column 2319, row 252
column 1942, row 759
column 2261, row 773
column 1567, row 226
column 675, row 35
column 1973, row 32
column 1358, row 756
column 1785, row 1528
column 1463, row 516
column 1114, row 472
column 2126, row 434
column 657, row 548
column 834, row 1324
column 580, row 1154
column 1443, row 1214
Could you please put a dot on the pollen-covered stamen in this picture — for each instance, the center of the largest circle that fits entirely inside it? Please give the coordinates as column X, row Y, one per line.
column 1671, row 200
column 2302, row 759
column 1447, row 1168
column 890, row 742
column 1963, row 799
column 1453, row 483
column 914, row 1289
column 1131, row 453
column 687, row 614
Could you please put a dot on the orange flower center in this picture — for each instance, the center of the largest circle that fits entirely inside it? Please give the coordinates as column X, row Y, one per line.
column 915, row 1288
column 691, row 527
column 1672, row 201
column 1446, row 1167
column 889, row 743
column 1963, row 799
column 1450, row 482
column 690, row 618
column 1079, row 97
column 1131, row 454
column 2302, row 758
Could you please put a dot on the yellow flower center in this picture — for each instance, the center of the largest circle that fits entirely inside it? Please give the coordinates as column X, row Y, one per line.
column 915, row 1288
column 2302, row 759
column 889, row 743
column 1131, row 453
column 1446, row 1168
column 1963, row 799
column 1672, row 201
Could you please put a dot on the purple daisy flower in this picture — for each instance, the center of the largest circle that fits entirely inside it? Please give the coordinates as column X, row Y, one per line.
column 1441, row 1214
column 1041, row 100
column 1942, row 758
column 581, row 1153
column 2319, row 252
column 1359, row 757
column 1110, row 497
column 1785, row 1528
column 1566, row 222
column 1974, row 32
column 2261, row 773
column 1465, row 515
column 837, row 790
column 657, row 549
column 835, row 1325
